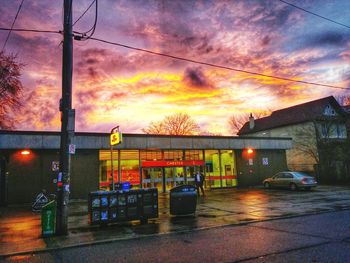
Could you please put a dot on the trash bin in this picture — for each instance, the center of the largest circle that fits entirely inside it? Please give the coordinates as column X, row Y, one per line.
column 183, row 200
column 48, row 219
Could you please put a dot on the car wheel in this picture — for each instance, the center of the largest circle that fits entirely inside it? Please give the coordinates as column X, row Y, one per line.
column 293, row 187
column 267, row 185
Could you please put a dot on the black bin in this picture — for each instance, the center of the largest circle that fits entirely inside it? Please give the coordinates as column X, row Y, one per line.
column 117, row 206
column 98, row 207
column 183, row 200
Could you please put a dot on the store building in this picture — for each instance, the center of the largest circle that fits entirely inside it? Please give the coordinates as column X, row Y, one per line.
column 29, row 162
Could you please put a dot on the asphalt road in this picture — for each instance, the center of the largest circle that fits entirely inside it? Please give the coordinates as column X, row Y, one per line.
column 317, row 238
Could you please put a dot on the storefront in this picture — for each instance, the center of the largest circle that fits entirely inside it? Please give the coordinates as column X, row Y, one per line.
column 143, row 160
column 166, row 169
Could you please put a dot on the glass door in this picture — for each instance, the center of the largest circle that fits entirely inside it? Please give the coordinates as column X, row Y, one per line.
column 213, row 171
column 174, row 176
column 152, row 177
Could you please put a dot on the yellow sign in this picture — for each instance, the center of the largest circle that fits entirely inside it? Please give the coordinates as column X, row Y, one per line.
column 116, row 138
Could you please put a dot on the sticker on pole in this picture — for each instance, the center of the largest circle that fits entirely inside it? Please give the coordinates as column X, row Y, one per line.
column 55, row 166
column 71, row 148
column 116, row 138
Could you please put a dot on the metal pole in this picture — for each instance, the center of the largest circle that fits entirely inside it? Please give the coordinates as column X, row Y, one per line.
column 67, row 123
column 112, row 168
column 119, row 167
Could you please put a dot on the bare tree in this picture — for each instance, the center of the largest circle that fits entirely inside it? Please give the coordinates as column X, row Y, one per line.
column 175, row 124
column 237, row 121
column 306, row 140
column 10, row 89
column 155, row 128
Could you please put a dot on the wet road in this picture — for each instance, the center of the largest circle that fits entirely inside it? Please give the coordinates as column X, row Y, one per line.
column 20, row 229
column 317, row 238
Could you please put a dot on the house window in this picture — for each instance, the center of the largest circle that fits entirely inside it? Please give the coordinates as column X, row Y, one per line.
column 341, row 130
column 324, row 130
column 334, row 130
column 329, row 111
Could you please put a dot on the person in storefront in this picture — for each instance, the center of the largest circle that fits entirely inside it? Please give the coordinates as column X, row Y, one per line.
column 199, row 180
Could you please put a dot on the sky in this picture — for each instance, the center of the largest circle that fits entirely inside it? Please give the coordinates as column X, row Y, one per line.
column 117, row 86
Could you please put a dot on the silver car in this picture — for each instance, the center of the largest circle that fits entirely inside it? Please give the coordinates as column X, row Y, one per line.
column 291, row 180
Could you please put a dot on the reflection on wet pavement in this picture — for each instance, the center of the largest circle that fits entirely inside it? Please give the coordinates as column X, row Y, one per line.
column 20, row 229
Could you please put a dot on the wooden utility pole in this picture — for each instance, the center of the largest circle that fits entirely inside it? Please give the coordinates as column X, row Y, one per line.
column 67, row 124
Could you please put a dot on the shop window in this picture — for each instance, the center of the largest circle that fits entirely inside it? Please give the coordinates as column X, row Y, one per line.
column 193, row 155
column 105, row 176
column 150, row 155
column 176, row 155
column 129, row 167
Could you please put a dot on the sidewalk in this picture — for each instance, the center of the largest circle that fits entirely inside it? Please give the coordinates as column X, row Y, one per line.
column 20, row 229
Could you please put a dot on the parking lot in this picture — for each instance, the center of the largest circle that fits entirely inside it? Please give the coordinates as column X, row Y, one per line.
column 20, row 229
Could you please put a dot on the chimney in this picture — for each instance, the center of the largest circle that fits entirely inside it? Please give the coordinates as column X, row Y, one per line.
column 251, row 121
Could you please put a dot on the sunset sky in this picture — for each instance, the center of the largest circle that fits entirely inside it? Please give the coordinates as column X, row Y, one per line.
column 118, row 86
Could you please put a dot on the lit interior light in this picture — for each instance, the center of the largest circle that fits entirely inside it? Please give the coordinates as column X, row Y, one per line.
column 250, row 151
column 25, row 152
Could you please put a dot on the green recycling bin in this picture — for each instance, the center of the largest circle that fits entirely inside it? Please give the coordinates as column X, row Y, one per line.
column 48, row 219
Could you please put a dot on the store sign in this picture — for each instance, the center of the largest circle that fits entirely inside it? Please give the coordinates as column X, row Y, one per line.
column 116, row 138
column 172, row 163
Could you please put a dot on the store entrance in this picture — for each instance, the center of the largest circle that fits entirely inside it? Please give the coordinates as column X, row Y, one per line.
column 164, row 178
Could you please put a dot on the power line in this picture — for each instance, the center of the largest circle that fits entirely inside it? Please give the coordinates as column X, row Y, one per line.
column 307, row 11
column 13, row 23
column 29, row 30
column 87, row 9
column 83, row 35
column 215, row 65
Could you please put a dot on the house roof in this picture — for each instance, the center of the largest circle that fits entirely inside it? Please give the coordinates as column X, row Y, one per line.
column 296, row 114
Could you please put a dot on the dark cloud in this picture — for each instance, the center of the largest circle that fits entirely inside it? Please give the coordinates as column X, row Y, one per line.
column 196, row 78
column 265, row 40
column 329, row 38
column 97, row 63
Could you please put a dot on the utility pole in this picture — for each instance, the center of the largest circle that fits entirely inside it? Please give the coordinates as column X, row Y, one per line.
column 67, row 123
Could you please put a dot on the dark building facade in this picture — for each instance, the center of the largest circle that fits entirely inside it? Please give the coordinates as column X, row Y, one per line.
column 29, row 162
